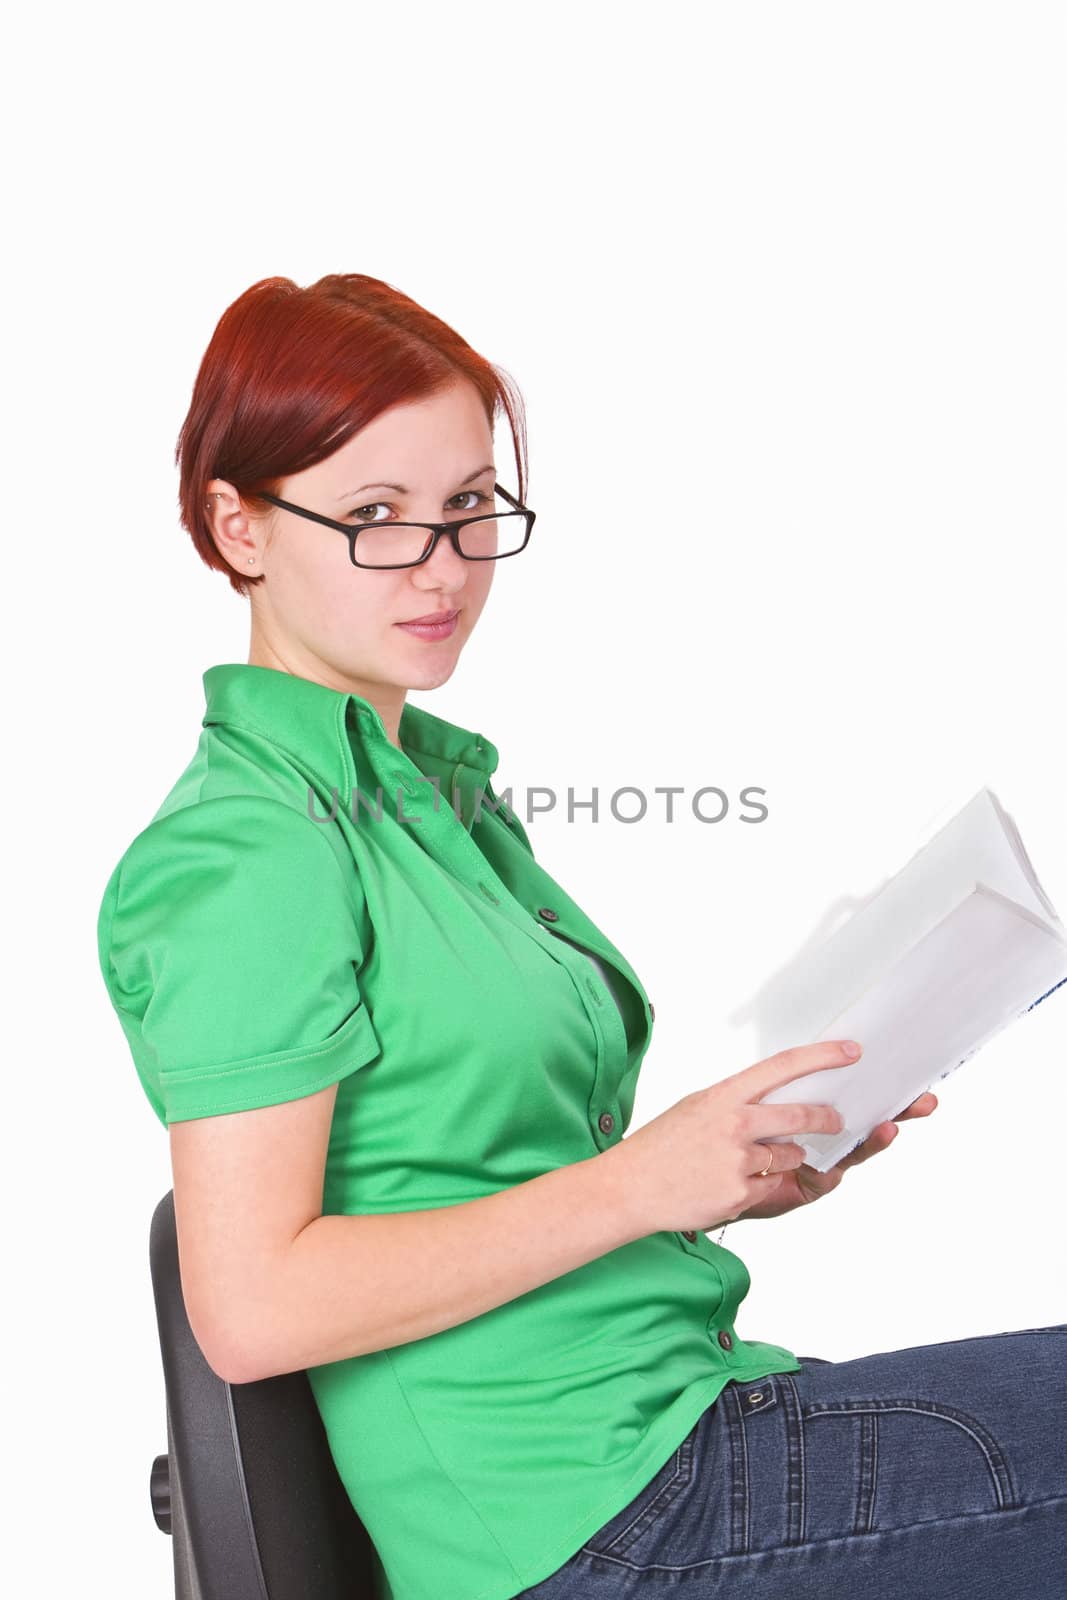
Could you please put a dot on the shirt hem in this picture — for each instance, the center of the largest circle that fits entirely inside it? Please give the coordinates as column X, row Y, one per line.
column 667, row 1433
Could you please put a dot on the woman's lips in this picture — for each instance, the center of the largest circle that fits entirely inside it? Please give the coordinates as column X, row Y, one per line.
column 432, row 630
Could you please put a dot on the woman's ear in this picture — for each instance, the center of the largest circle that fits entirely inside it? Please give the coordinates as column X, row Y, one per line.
column 235, row 538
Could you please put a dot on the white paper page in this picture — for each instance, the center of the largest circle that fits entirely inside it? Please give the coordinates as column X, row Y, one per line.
column 984, row 964
column 979, row 845
column 988, row 842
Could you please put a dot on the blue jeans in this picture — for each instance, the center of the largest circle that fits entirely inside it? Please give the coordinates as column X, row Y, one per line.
column 935, row 1471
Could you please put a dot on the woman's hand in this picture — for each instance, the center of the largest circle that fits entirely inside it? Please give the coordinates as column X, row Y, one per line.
column 704, row 1156
column 804, row 1184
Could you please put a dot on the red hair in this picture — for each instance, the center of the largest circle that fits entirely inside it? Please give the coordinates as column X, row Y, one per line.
column 291, row 374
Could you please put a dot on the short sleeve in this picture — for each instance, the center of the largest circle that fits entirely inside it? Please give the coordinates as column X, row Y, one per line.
column 230, row 941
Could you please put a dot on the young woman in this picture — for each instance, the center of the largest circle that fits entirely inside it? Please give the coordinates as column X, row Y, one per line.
column 397, row 1062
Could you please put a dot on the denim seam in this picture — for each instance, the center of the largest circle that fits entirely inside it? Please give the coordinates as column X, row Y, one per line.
column 796, row 1497
column 739, row 1480
column 841, row 1539
column 664, row 1496
column 703, row 1391
column 866, row 1488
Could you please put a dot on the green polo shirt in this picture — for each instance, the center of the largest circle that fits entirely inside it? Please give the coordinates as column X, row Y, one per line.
column 312, row 905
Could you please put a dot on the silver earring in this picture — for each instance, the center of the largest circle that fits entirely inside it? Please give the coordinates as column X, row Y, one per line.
column 251, row 561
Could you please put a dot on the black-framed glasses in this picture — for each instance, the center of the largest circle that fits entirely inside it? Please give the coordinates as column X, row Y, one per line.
column 489, row 536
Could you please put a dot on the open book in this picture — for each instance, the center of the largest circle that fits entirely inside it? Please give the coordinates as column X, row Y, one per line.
column 960, row 943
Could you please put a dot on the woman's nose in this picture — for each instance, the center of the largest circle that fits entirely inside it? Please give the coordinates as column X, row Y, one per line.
column 445, row 562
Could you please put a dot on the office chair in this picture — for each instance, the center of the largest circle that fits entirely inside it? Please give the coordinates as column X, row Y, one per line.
column 248, row 1489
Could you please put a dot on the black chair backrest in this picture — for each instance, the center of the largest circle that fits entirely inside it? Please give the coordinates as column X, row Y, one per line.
column 256, row 1507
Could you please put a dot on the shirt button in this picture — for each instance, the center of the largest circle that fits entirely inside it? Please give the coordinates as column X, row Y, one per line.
column 548, row 914
column 726, row 1339
column 690, row 1234
column 606, row 1121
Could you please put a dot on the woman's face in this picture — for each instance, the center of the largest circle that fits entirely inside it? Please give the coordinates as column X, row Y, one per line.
column 322, row 618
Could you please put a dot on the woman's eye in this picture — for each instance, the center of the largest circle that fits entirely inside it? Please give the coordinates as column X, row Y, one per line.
column 476, row 500
column 361, row 512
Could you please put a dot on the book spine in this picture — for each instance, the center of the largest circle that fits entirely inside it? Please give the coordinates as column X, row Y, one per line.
column 1045, row 996
column 981, row 1042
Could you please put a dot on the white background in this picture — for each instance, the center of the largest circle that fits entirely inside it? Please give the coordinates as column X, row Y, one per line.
column 782, row 286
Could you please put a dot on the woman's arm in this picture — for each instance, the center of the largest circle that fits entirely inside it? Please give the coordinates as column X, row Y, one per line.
column 271, row 1285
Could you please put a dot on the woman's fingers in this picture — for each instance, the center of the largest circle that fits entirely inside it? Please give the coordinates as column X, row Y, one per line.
column 882, row 1134
column 921, row 1107
column 880, row 1138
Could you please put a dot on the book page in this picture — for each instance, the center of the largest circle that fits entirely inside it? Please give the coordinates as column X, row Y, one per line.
column 984, row 964
column 980, row 844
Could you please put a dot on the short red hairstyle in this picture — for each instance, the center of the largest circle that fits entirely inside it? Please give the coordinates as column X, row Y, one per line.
column 291, row 374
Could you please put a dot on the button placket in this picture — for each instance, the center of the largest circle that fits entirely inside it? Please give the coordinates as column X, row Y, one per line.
column 723, row 1338
column 614, row 959
column 454, row 846
column 612, row 1049
column 693, row 1242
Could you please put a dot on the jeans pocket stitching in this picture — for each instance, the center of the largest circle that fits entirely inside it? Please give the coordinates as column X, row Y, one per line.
column 996, row 1462
column 649, row 1514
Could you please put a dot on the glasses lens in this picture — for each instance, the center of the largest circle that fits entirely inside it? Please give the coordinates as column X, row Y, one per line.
column 393, row 544
column 390, row 544
column 501, row 535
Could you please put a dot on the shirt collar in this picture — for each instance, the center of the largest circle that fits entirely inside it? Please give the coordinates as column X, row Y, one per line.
column 316, row 727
